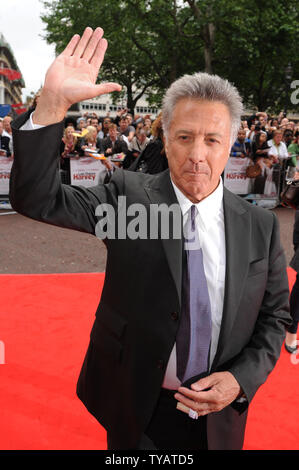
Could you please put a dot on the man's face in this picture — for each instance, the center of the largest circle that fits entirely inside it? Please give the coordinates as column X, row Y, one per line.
column 197, row 146
column 277, row 138
column 141, row 136
column 6, row 124
column 123, row 124
column 241, row 136
column 112, row 133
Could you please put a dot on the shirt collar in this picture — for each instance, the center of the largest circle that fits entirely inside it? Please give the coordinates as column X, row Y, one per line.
column 208, row 209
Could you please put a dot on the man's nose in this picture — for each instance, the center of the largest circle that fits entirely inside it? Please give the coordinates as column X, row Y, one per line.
column 198, row 152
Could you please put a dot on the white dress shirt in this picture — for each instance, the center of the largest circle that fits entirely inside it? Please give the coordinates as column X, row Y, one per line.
column 210, row 225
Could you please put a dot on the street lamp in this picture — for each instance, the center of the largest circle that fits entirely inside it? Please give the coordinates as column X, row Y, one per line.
column 288, row 77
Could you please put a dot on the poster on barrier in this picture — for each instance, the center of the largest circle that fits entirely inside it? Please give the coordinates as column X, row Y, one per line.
column 235, row 178
column 86, row 171
column 263, row 190
column 5, row 169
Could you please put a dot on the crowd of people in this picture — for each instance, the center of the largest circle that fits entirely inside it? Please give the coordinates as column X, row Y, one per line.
column 271, row 144
column 138, row 139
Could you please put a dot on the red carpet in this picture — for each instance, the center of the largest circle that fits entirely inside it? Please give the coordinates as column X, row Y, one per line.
column 45, row 323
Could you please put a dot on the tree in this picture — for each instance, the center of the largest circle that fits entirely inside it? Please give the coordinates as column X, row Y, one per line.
column 153, row 42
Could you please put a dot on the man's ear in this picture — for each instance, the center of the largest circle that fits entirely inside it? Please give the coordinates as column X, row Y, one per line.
column 165, row 145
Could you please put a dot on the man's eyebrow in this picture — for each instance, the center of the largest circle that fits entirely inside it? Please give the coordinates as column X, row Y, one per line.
column 214, row 134
column 183, row 131
column 210, row 134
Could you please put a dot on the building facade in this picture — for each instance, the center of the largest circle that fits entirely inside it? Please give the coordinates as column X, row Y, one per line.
column 10, row 87
column 103, row 106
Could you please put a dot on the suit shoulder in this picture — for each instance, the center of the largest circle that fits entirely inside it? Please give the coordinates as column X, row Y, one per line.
column 256, row 212
column 139, row 179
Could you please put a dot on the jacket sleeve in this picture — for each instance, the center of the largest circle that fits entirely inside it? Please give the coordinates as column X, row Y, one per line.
column 258, row 358
column 35, row 187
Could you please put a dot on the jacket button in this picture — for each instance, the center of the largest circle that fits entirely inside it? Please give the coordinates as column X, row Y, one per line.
column 174, row 316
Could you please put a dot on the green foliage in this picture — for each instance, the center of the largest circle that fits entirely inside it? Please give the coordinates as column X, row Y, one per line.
column 153, row 42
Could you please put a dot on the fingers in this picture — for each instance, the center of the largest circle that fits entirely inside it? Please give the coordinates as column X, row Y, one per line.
column 99, row 54
column 87, row 45
column 70, row 48
column 201, row 408
column 88, row 32
column 91, row 46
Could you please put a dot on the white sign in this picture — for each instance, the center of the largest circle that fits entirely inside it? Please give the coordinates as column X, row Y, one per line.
column 5, row 169
column 235, row 178
column 87, row 171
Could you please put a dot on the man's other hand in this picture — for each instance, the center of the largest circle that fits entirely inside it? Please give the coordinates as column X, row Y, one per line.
column 210, row 394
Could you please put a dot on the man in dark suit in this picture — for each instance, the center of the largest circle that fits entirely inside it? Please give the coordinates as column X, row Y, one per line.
column 134, row 377
column 113, row 143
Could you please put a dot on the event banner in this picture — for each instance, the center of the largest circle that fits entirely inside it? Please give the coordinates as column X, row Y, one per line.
column 265, row 184
column 86, row 171
column 5, row 169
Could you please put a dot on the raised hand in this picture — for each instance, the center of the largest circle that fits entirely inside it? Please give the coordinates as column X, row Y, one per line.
column 72, row 76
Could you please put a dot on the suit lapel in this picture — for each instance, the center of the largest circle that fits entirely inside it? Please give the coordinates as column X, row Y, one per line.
column 160, row 191
column 237, row 240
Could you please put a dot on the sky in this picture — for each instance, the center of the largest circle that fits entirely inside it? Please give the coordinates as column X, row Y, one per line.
column 22, row 28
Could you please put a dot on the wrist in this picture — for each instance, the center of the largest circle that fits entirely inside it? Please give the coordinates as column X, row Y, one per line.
column 50, row 109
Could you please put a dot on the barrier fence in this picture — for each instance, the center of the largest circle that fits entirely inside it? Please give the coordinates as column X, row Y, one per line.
column 264, row 189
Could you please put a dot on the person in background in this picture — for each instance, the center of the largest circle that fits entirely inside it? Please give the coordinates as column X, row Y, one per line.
column 241, row 147
column 69, row 147
column 148, row 126
column 7, row 131
column 81, row 124
column 114, row 143
column 89, row 141
column 291, row 344
column 105, row 127
column 278, row 149
column 139, row 142
column 288, row 137
column 126, row 130
column 293, row 149
column 153, row 159
column 4, row 142
column 260, row 147
column 136, row 147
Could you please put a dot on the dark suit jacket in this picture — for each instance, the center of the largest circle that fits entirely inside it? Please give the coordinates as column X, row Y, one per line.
column 135, row 325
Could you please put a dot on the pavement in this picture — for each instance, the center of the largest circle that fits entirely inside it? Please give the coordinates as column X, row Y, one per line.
column 31, row 247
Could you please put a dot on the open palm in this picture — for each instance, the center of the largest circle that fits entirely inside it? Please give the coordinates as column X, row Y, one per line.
column 72, row 76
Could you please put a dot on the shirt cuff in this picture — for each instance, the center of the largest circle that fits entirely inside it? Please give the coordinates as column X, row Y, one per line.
column 29, row 125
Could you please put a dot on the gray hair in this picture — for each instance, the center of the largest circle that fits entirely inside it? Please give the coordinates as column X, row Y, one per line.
column 203, row 86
